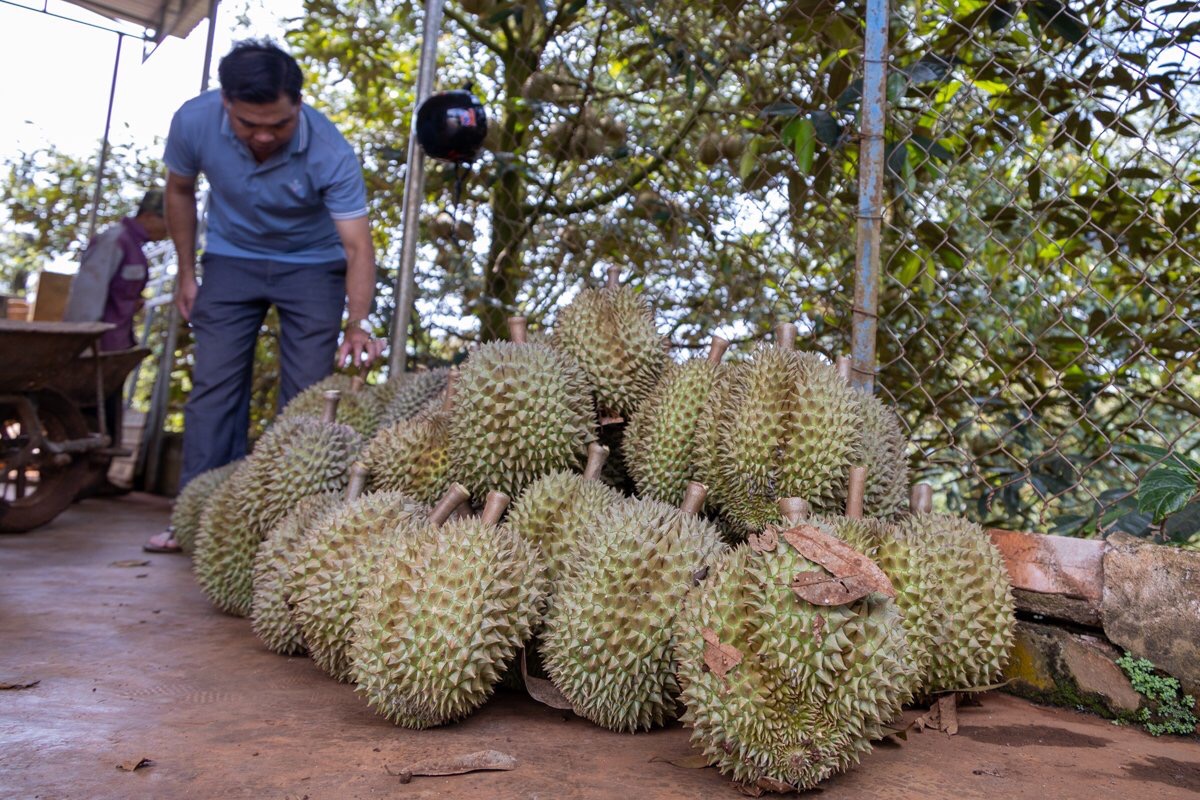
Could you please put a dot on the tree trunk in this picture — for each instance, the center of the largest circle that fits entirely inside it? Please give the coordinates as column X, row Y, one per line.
column 504, row 272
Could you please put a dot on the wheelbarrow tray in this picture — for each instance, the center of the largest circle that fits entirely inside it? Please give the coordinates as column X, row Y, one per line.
column 36, row 355
column 78, row 383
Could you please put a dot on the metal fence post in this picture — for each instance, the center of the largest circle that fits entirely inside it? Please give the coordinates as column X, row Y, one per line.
column 414, row 188
column 871, row 161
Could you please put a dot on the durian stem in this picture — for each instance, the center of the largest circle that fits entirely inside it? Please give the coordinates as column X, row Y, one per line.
column 357, row 383
column 794, row 509
column 329, row 415
column 785, row 336
column 716, row 350
column 358, row 480
column 921, row 499
column 493, row 508
column 693, row 498
column 454, row 497
column 597, row 456
column 518, row 330
column 448, row 392
column 856, row 491
column 613, row 280
column 843, row 368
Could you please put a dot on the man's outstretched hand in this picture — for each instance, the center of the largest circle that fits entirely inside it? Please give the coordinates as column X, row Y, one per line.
column 185, row 296
column 358, row 348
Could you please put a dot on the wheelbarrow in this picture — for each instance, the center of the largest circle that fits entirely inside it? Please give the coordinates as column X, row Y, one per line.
column 47, row 448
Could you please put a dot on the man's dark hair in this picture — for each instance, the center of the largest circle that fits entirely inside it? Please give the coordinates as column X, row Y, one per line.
column 257, row 71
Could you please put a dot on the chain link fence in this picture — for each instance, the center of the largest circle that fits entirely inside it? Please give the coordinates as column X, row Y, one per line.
column 1042, row 278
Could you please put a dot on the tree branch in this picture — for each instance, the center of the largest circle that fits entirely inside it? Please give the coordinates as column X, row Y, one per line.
column 632, row 180
column 475, row 32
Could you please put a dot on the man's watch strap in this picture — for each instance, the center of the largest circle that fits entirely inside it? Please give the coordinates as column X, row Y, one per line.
column 361, row 324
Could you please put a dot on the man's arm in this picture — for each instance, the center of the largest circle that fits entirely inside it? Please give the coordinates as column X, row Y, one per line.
column 180, row 199
column 358, row 348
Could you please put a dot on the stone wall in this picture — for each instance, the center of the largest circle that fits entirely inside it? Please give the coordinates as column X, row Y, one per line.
column 1081, row 603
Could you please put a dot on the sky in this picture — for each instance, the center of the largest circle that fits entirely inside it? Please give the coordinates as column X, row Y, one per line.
column 57, row 73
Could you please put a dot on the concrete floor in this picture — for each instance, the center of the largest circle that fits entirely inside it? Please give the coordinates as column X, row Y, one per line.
column 132, row 663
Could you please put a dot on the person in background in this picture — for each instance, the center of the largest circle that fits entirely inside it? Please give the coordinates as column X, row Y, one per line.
column 109, row 284
column 287, row 226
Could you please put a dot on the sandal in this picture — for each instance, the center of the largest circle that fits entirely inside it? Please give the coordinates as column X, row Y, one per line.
column 163, row 542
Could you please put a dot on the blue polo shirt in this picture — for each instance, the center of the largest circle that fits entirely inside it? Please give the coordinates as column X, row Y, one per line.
column 283, row 208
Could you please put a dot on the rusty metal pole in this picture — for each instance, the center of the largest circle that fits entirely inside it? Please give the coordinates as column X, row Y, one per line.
column 870, row 196
column 414, row 188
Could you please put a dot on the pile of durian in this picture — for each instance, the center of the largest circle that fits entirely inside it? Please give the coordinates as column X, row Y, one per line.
column 730, row 542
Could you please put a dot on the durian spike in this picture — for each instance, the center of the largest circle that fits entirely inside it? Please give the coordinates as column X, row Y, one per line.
column 794, row 509
column 597, row 455
column 613, row 280
column 329, row 415
column 921, row 500
column 693, row 498
column 716, row 350
column 518, row 330
column 358, row 480
column 843, row 368
column 493, row 508
column 357, row 383
column 454, row 497
column 785, row 336
column 855, row 492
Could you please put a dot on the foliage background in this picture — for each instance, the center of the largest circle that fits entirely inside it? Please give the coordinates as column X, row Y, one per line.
column 1040, row 278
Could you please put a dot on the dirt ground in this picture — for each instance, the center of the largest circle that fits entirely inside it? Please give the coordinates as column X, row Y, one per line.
column 131, row 662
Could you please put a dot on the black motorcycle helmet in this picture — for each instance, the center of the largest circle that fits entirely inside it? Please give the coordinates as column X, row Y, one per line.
column 451, row 126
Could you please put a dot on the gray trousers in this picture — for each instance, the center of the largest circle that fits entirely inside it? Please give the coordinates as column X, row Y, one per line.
column 232, row 302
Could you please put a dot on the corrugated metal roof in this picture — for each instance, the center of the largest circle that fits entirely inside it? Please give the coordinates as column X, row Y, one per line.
column 165, row 17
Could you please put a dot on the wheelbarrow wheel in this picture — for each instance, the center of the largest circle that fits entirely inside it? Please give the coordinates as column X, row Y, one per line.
column 37, row 493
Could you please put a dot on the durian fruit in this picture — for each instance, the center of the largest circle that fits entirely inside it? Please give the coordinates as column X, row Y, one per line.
column 972, row 631
column 360, row 407
column 270, row 615
column 884, row 454
column 295, row 458
column 405, row 396
column 331, row 564
column 190, row 505
column 782, row 692
column 909, row 565
column 441, row 615
column 660, row 443
column 608, row 639
column 555, row 512
column 523, row 410
column 413, row 455
column 611, row 333
column 785, row 425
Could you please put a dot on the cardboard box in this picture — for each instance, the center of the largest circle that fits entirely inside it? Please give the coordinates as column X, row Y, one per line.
column 50, row 302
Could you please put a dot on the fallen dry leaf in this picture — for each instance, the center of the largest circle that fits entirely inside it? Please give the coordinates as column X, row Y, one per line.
column 686, row 762
column 822, row 589
column 131, row 765
column 948, row 713
column 481, row 761
column 839, row 558
column 764, row 542
column 772, row 785
column 719, row 658
column 543, row 690
column 749, row 789
column 130, row 562
column 4, row 685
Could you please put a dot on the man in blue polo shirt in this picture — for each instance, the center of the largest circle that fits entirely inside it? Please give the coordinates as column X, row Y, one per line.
column 287, row 226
